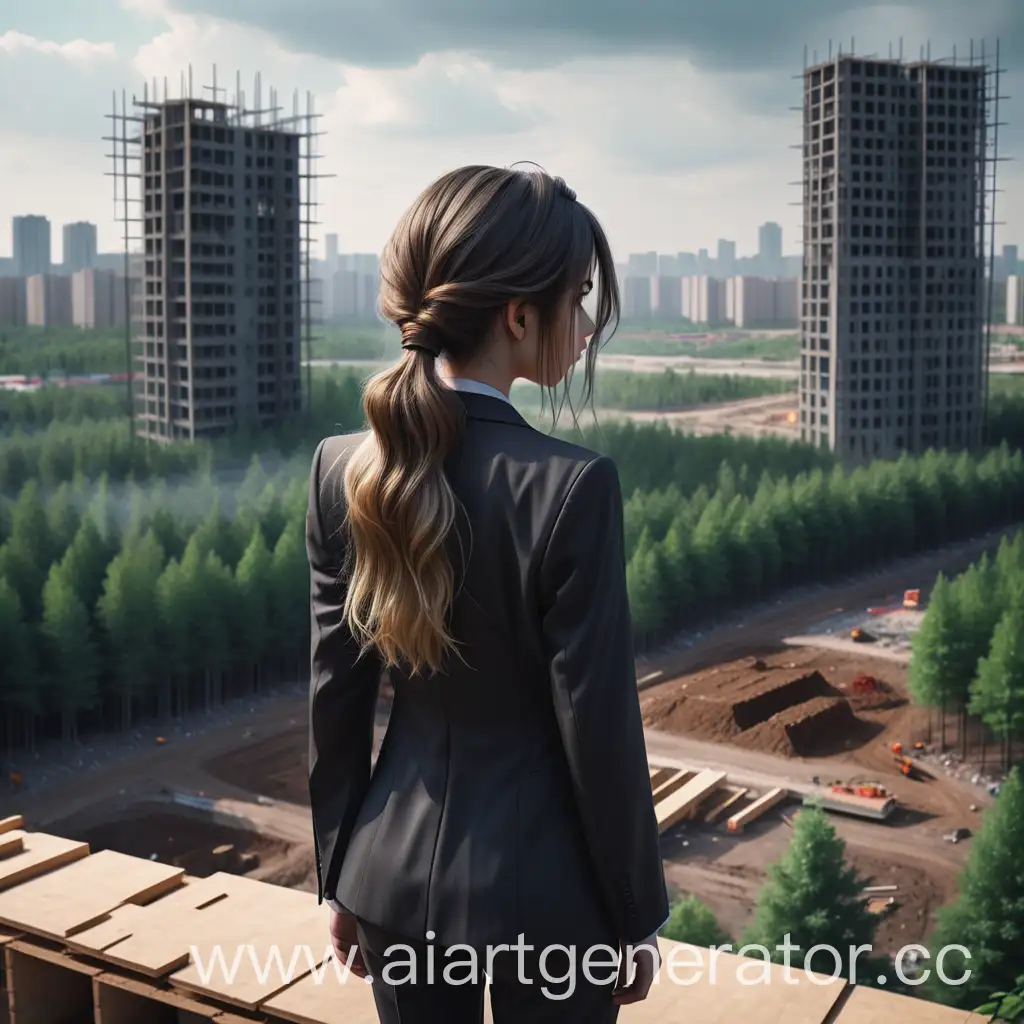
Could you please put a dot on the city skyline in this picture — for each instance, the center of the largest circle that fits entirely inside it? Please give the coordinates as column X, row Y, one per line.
column 677, row 134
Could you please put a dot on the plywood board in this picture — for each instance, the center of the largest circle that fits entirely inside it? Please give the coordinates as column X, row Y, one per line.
column 679, row 804
column 689, row 990
column 330, row 1001
column 274, row 937
column 876, row 1006
column 673, row 784
column 164, row 923
column 59, row 903
column 761, row 806
column 40, row 853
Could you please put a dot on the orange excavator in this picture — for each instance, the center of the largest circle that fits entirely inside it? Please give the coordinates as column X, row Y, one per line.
column 908, row 768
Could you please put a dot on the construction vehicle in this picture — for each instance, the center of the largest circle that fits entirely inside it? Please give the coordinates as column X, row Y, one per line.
column 861, row 636
column 865, row 800
column 908, row 768
column 911, row 598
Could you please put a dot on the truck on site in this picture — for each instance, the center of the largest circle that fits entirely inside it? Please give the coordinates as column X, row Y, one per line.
column 862, row 800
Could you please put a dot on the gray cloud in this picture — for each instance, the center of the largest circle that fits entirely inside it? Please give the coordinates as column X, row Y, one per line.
column 718, row 34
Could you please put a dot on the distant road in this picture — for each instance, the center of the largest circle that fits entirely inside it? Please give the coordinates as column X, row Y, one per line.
column 784, row 369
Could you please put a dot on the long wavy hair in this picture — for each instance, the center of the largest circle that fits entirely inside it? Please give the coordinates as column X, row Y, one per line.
column 475, row 240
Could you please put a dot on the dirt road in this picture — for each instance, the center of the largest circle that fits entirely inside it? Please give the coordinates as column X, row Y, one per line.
column 761, row 628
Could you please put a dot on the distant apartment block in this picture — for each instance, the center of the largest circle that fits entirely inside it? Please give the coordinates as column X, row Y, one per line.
column 30, row 236
column 749, row 301
column 79, row 246
column 893, row 195
column 12, row 302
column 642, row 264
column 1015, row 300
column 667, row 299
column 48, row 301
column 769, row 248
column 97, row 298
column 218, row 338
column 636, row 298
column 704, row 300
column 1011, row 261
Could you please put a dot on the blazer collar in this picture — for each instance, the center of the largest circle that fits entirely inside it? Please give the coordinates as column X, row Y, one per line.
column 487, row 407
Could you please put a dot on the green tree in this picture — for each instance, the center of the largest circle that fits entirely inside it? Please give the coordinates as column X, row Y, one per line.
column 647, row 592
column 813, row 897
column 71, row 658
column 693, row 922
column 19, row 692
column 289, row 606
column 987, row 917
column 935, row 676
column 998, row 693
column 127, row 610
column 254, row 578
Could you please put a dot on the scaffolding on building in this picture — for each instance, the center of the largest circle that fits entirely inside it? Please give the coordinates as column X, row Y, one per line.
column 127, row 156
column 988, row 160
column 126, row 174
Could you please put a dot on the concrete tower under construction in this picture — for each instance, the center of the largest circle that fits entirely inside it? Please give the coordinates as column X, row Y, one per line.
column 896, row 177
column 219, row 322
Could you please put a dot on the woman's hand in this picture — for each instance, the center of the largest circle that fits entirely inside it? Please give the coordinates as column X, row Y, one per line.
column 647, row 960
column 345, row 940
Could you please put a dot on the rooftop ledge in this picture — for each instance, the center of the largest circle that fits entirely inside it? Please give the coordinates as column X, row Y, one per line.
column 110, row 938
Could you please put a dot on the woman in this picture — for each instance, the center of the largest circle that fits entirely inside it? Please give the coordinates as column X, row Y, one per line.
column 480, row 563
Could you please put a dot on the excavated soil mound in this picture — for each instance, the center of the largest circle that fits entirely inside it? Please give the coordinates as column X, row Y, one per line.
column 768, row 709
column 781, row 697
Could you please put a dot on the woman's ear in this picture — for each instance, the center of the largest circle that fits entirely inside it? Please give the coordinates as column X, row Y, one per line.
column 515, row 320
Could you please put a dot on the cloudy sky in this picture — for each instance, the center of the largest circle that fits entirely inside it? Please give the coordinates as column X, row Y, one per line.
column 671, row 118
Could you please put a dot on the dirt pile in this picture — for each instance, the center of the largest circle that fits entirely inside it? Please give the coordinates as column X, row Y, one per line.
column 775, row 709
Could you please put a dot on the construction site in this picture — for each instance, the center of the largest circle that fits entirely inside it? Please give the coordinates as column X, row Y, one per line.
column 743, row 729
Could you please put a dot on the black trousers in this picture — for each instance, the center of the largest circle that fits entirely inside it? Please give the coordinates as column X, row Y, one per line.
column 422, row 984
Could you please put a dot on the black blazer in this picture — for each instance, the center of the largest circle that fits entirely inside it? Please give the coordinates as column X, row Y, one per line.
column 511, row 796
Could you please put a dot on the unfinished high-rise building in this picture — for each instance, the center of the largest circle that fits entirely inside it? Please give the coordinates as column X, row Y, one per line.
column 896, row 176
column 221, row 314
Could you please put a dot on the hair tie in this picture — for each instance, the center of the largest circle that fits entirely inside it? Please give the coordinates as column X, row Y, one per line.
column 414, row 337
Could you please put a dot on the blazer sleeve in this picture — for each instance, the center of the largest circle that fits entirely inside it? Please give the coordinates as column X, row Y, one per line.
column 589, row 638
column 343, row 691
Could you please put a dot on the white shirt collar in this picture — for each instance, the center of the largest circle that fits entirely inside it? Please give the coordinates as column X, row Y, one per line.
column 477, row 387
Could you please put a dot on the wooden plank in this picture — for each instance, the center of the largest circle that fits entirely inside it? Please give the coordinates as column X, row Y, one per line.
column 673, row 784
column 659, row 776
column 11, row 843
column 59, row 903
column 161, row 921
column 679, row 804
column 9, row 824
column 875, row 1006
column 330, row 1001
column 40, row 853
column 761, row 806
column 273, row 937
column 696, row 986
column 722, row 806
